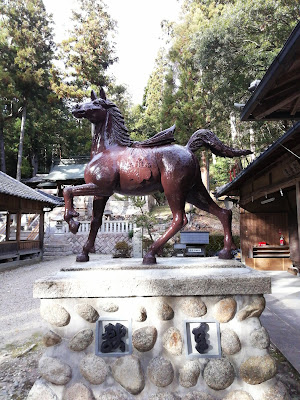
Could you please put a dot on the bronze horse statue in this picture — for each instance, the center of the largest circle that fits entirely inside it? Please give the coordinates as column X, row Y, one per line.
column 120, row 165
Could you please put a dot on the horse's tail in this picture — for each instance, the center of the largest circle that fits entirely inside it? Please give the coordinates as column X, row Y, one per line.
column 206, row 138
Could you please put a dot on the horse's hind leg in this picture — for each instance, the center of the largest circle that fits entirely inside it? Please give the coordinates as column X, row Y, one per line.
column 176, row 202
column 98, row 209
column 200, row 198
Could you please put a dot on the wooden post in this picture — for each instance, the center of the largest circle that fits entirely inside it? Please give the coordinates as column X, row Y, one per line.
column 18, row 235
column 41, row 230
column 7, row 227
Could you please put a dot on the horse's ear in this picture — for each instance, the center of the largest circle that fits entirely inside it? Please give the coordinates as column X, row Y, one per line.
column 93, row 95
column 102, row 94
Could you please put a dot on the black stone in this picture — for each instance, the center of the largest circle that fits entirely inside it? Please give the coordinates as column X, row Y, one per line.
column 200, row 337
column 113, row 338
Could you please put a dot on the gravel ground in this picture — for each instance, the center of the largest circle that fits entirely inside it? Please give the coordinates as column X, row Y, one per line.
column 22, row 329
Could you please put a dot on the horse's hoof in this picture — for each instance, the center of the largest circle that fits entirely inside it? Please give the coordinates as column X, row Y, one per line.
column 225, row 254
column 70, row 214
column 74, row 226
column 148, row 260
column 82, row 258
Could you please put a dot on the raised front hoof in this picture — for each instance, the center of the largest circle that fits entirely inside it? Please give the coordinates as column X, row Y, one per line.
column 74, row 226
column 149, row 260
column 225, row 254
column 70, row 214
column 82, row 258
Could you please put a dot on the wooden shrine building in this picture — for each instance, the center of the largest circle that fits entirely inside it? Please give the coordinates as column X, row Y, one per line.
column 21, row 221
column 269, row 188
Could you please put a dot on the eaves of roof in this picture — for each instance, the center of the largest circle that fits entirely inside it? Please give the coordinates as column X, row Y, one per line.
column 291, row 136
column 12, row 187
column 275, row 71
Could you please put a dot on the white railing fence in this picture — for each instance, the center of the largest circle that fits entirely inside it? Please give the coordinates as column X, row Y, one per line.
column 112, row 227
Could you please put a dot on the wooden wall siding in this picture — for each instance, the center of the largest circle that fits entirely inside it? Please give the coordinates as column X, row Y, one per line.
column 257, row 228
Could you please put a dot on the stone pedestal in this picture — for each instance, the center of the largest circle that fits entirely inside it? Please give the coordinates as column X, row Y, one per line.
column 159, row 307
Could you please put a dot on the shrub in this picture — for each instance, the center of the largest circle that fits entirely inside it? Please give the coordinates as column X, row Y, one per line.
column 122, row 250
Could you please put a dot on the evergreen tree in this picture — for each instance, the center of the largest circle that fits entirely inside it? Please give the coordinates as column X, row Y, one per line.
column 30, row 49
column 88, row 52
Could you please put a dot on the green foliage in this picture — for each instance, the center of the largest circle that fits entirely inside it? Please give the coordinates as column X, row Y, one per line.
column 122, row 250
column 216, row 243
column 217, row 50
column 88, row 51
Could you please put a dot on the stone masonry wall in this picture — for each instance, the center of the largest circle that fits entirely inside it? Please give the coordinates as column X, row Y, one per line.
column 158, row 368
column 104, row 243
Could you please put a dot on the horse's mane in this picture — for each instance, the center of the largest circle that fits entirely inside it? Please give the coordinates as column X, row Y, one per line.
column 121, row 136
column 119, row 131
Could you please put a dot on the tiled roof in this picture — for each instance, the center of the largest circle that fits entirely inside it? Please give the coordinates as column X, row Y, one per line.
column 66, row 172
column 12, row 187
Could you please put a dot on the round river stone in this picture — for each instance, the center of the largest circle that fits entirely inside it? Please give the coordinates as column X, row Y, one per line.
column 164, row 311
column 238, row 395
column 78, row 392
column 94, row 369
column 87, row 312
column 112, row 394
column 81, row 340
column 189, row 374
column 277, row 392
column 254, row 309
column 230, row 342
column 219, row 374
column 110, row 307
column 144, row 339
column 258, row 369
column 194, row 307
column 164, row 396
column 140, row 314
column 225, row 309
column 260, row 338
column 128, row 372
column 55, row 314
column 51, row 339
column 160, row 372
column 41, row 390
column 172, row 341
column 198, row 396
column 55, row 371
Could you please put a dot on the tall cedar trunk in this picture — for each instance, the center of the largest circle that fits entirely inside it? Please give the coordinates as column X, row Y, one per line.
column 2, row 149
column 21, row 143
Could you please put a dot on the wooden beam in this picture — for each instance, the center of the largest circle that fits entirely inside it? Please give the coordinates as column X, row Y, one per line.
column 296, row 106
column 268, row 190
column 272, row 104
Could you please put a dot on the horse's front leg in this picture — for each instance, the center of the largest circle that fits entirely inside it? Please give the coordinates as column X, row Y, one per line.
column 69, row 193
column 98, row 209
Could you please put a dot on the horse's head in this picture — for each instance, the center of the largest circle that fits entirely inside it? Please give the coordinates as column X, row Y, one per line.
column 95, row 110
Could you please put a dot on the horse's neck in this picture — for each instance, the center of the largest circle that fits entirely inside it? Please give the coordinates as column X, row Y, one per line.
column 102, row 134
